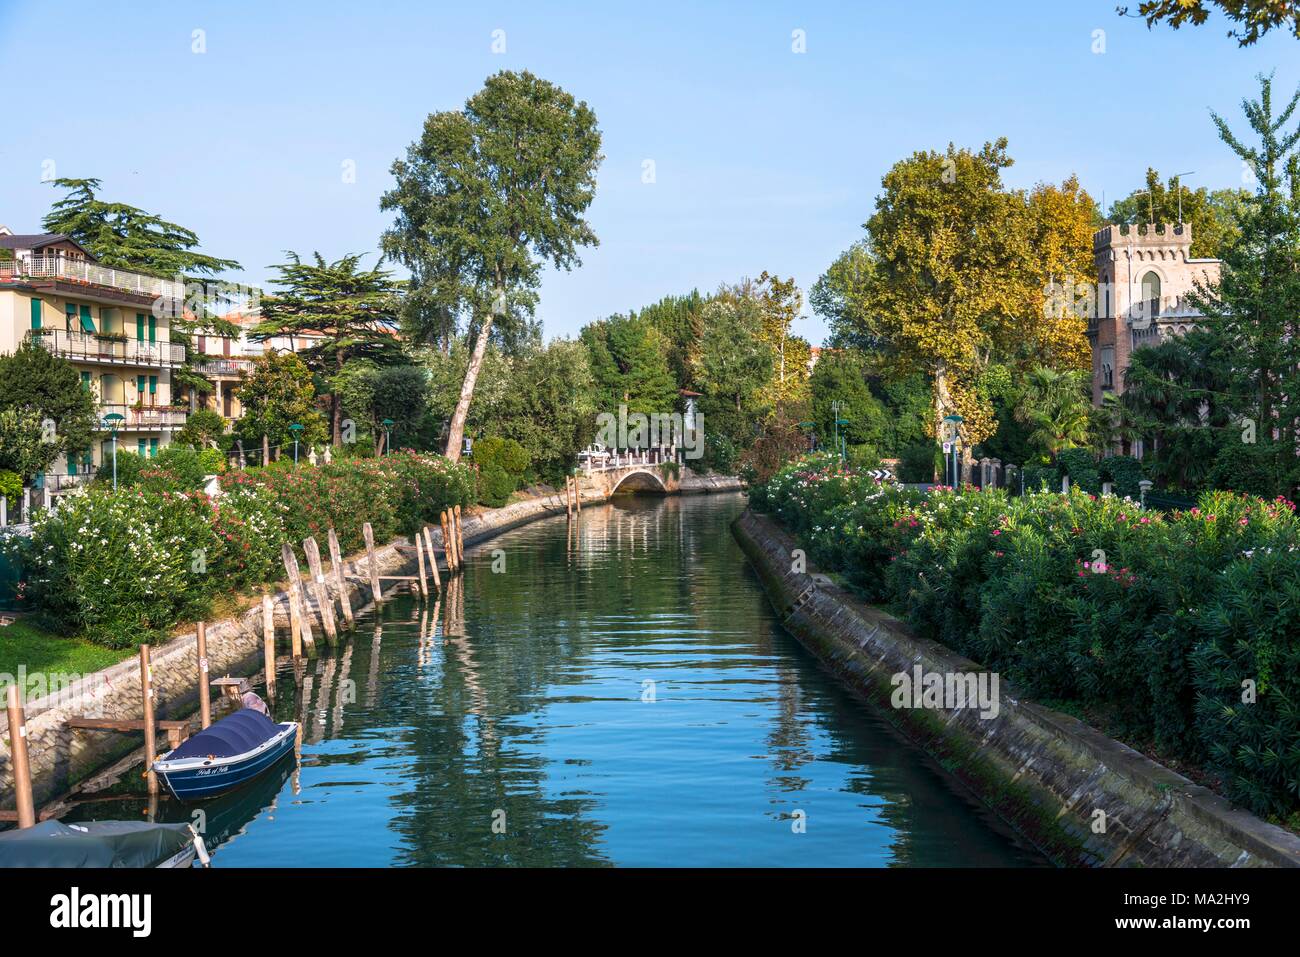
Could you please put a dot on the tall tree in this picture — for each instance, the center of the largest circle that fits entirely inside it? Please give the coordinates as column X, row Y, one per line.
column 1252, row 314
column 484, row 198
column 354, row 311
column 781, row 303
column 628, row 357
column 127, row 237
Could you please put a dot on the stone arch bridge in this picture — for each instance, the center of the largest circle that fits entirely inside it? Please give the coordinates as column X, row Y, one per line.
column 642, row 470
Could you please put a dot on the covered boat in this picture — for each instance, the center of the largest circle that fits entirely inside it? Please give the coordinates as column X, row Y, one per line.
column 101, row 844
column 231, row 752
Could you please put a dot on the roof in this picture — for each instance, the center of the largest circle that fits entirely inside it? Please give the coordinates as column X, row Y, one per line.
column 38, row 241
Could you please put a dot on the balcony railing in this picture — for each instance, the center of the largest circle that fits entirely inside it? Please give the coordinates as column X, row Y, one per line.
column 92, row 347
column 84, row 271
column 144, row 418
column 224, row 365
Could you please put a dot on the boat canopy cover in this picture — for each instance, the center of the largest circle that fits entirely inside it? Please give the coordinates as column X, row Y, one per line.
column 94, row 844
column 240, row 732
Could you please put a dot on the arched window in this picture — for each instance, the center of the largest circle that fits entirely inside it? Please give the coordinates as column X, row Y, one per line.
column 1151, row 294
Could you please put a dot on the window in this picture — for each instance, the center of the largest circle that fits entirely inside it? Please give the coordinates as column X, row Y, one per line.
column 140, row 447
column 70, row 317
column 1151, row 294
column 139, row 388
column 153, row 448
column 153, row 388
column 36, row 314
column 87, row 324
column 85, row 381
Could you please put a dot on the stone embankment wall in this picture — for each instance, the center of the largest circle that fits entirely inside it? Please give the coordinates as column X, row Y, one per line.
column 60, row 756
column 1081, row 797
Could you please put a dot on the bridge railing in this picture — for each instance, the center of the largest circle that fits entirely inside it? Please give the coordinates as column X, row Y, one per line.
column 627, row 458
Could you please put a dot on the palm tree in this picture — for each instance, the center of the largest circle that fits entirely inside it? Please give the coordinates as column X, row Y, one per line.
column 1056, row 408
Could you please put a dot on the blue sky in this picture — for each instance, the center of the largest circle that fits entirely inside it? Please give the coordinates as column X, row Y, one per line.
column 763, row 158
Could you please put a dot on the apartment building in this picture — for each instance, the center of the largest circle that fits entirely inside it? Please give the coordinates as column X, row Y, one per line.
column 104, row 321
column 225, row 360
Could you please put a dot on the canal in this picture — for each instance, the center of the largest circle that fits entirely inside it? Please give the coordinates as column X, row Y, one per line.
column 616, row 694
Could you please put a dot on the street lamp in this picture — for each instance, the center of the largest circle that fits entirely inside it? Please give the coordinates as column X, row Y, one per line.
column 954, row 421
column 111, row 422
column 388, row 435
column 843, row 439
column 1178, row 178
column 295, row 428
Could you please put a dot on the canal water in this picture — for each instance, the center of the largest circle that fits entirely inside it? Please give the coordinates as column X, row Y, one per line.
column 616, row 693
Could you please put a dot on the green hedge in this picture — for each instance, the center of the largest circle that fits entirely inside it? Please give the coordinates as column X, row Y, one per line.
column 1149, row 621
column 126, row 567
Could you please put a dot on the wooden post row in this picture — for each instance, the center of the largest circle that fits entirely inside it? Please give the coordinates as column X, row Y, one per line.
column 340, row 577
column 22, row 767
column 577, row 499
column 322, row 593
column 205, row 697
column 369, row 534
column 297, row 602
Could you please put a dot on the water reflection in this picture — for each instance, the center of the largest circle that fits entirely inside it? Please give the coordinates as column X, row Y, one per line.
column 619, row 692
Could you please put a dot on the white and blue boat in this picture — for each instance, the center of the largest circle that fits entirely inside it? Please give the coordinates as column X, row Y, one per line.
column 222, row 757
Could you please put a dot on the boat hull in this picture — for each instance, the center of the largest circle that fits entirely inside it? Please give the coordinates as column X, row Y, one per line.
column 199, row 780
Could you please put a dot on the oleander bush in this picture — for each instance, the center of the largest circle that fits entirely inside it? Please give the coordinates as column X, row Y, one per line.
column 125, row 567
column 1149, row 622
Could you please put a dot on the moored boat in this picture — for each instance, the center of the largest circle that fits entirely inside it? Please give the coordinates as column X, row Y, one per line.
column 101, row 844
column 222, row 757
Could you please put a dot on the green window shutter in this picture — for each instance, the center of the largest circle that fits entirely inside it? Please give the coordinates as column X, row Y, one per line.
column 36, row 313
column 153, row 330
column 87, row 324
column 139, row 447
column 153, row 448
column 153, row 385
column 139, row 386
column 85, row 381
column 72, row 464
column 139, row 327
column 70, row 314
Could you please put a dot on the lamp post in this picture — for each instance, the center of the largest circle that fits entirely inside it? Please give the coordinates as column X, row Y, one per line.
column 953, row 421
column 295, row 428
column 111, row 421
column 1178, row 178
column 388, row 435
column 843, row 439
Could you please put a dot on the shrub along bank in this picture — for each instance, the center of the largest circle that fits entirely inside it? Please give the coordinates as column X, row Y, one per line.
column 1179, row 630
column 125, row 567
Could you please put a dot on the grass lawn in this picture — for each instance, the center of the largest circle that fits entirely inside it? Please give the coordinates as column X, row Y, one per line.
column 23, row 644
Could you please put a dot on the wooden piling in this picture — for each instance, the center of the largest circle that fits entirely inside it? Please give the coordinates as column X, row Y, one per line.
column 150, row 732
column 21, row 764
column 448, row 552
column 419, row 557
column 577, row 499
column 568, row 496
column 297, row 600
column 268, row 643
column 371, row 564
column 460, row 539
column 319, row 589
column 205, row 698
column 340, row 576
column 433, row 560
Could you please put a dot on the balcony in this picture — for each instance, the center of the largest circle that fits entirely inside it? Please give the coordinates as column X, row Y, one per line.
column 144, row 418
column 91, row 274
column 224, row 366
column 111, row 350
